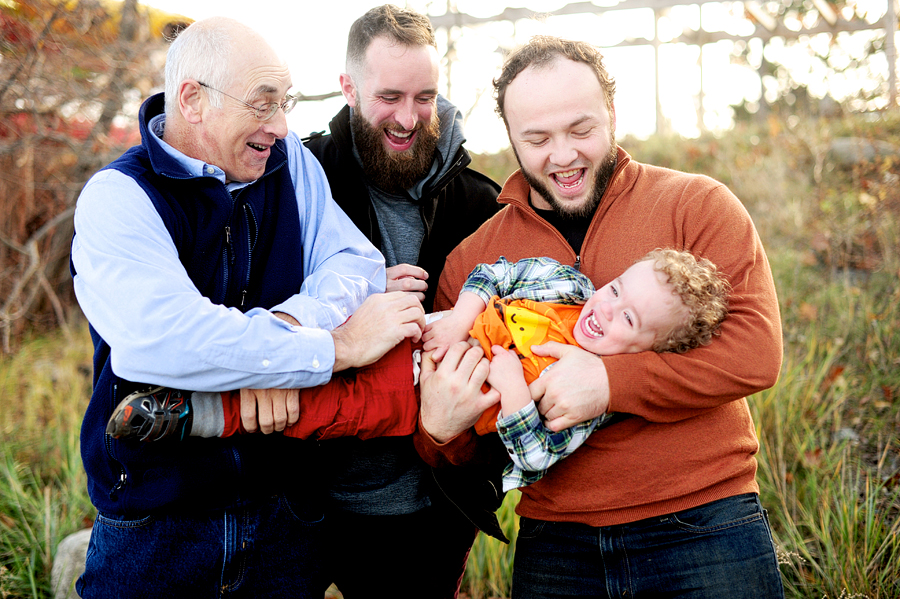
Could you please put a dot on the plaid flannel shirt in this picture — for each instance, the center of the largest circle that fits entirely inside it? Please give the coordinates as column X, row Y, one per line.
column 532, row 446
column 537, row 279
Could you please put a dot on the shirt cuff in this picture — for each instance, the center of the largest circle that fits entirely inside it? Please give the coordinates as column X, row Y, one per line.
column 519, row 423
column 312, row 313
column 459, row 450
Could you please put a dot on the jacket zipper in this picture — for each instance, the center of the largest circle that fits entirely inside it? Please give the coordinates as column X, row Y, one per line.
column 229, row 252
column 532, row 214
column 432, row 192
column 248, row 216
column 449, row 175
column 123, row 476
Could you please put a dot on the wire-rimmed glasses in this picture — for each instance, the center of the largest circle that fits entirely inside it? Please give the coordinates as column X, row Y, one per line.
column 266, row 111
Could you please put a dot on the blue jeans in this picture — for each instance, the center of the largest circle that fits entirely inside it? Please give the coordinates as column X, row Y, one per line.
column 269, row 548
column 721, row 549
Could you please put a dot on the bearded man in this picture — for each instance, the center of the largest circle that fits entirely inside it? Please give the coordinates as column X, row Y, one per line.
column 396, row 165
column 665, row 502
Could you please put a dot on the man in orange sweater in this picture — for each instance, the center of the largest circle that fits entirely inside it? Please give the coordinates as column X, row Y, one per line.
column 664, row 503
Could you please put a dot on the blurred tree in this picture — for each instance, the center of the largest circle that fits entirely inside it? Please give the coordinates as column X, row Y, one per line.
column 831, row 63
column 72, row 74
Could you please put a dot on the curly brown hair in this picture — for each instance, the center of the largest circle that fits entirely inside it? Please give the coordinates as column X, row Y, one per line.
column 702, row 290
column 542, row 51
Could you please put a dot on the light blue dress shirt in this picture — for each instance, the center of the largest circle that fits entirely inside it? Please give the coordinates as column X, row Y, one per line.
column 135, row 292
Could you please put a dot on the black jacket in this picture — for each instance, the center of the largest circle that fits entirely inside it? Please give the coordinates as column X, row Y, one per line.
column 452, row 208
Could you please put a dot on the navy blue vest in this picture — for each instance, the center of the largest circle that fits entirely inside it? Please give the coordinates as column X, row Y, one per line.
column 243, row 251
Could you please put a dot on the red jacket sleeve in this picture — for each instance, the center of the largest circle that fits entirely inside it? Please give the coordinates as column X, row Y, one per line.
column 378, row 400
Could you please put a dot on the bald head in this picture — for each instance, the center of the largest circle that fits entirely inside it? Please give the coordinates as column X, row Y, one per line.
column 214, row 51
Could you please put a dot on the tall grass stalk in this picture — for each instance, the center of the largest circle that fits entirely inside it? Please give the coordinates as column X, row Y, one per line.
column 43, row 489
column 489, row 569
column 827, row 470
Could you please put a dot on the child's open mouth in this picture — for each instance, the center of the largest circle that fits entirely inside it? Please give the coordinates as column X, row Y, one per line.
column 592, row 327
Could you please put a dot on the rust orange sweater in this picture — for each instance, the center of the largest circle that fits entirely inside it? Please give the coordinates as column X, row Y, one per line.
column 693, row 440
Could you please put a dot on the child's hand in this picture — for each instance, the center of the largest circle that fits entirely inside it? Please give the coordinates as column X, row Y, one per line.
column 506, row 370
column 455, row 326
column 508, row 377
column 443, row 333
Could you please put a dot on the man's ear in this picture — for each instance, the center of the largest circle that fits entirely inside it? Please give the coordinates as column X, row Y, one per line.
column 191, row 101
column 348, row 88
column 612, row 116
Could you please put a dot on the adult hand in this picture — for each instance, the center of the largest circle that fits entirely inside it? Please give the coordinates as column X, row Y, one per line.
column 380, row 323
column 575, row 390
column 452, row 399
column 269, row 410
column 409, row 279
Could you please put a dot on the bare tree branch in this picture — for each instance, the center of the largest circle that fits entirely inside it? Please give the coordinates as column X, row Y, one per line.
column 57, row 13
column 66, row 102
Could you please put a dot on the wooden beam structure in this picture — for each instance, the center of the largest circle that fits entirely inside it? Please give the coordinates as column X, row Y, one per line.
column 766, row 27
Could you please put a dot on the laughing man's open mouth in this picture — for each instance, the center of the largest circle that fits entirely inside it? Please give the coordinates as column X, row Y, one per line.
column 569, row 179
column 400, row 140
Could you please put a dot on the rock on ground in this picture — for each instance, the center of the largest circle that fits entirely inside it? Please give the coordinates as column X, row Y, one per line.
column 68, row 564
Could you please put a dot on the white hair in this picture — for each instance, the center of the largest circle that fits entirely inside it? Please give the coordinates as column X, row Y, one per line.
column 201, row 52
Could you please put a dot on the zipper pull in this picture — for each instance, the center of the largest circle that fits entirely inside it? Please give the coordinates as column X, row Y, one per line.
column 229, row 250
column 123, row 479
column 243, row 297
column 577, row 265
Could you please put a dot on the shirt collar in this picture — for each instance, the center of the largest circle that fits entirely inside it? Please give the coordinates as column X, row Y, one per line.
column 193, row 166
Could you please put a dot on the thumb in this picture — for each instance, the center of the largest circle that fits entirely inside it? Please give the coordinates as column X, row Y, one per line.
column 496, row 350
column 436, row 355
column 428, row 366
column 538, row 388
column 551, row 349
column 559, row 424
column 490, row 397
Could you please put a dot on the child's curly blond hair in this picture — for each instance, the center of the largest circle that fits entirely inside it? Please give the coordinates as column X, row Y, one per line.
column 702, row 289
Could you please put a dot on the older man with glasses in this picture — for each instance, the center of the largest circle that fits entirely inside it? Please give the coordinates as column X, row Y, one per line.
column 212, row 257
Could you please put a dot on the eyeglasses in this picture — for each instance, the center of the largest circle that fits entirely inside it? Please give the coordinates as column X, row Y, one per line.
column 266, row 111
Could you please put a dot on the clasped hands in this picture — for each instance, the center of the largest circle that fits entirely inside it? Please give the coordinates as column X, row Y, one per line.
column 575, row 390
column 381, row 322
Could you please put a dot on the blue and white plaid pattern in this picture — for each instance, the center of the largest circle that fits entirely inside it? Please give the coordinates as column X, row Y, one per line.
column 534, row 448
column 537, row 279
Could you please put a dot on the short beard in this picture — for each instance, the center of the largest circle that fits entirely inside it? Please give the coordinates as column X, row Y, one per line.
column 389, row 170
column 601, row 182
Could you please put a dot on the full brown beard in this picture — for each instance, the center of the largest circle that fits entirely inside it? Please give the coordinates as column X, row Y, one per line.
column 389, row 170
column 601, row 182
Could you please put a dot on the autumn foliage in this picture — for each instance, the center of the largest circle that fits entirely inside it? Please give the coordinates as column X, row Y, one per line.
column 72, row 75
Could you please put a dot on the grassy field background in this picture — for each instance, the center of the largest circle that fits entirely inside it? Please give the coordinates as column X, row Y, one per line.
column 826, row 200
